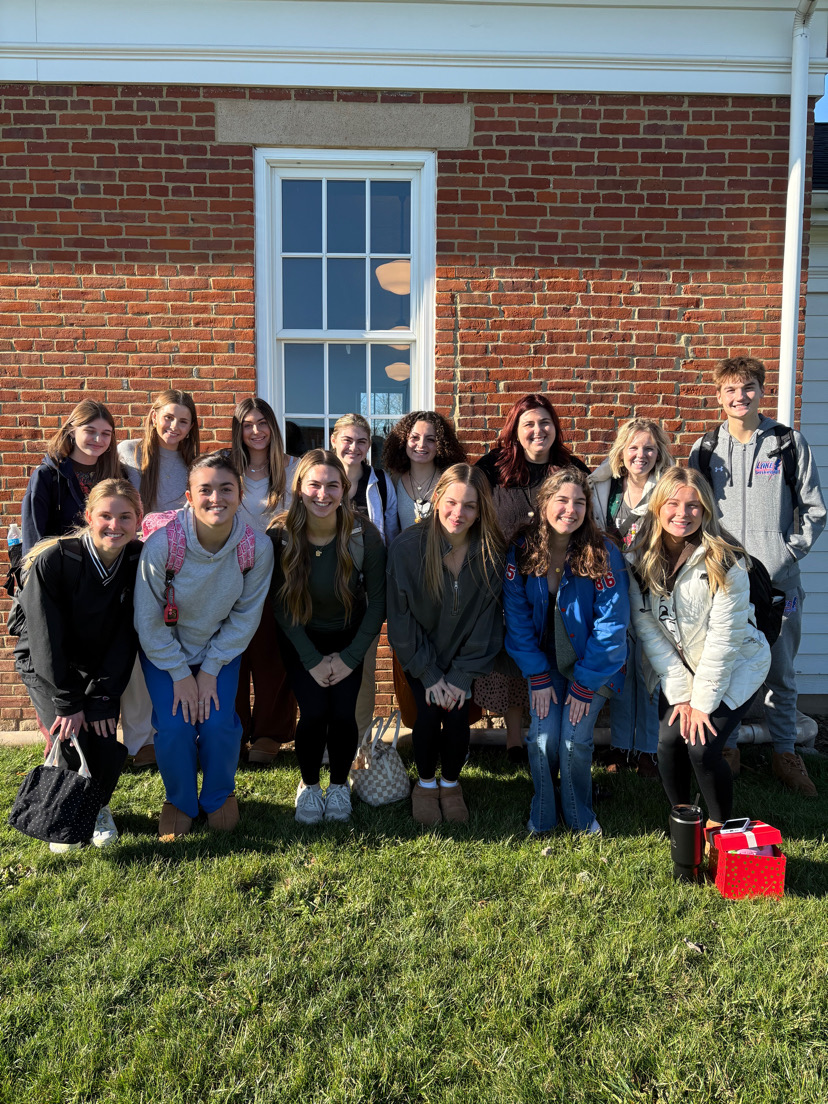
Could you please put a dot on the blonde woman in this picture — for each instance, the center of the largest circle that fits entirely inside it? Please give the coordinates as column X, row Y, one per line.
column 267, row 471
column 446, row 626
column 690, row 598
column 79, row 455
column 328, row 596
column 157, row 467
column 622, row 487
column 78, row 592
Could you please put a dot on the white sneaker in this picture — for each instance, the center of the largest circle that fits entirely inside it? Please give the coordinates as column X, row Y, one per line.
column 62, row 848
column 310, row 804
column 105, row 831
column 595, row 829
column 338, row 803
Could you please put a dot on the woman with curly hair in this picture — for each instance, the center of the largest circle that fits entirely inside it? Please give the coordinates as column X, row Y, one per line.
column 528, row 449
column 690, row 596
column 328, row 595
column 621, row 491
column 566, row 604
column 419, row 447
column 446, row 626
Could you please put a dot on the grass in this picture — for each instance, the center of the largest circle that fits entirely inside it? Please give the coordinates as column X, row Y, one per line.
column 383, row 962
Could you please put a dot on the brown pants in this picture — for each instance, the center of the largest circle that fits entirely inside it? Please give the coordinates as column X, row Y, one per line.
column 274, row 706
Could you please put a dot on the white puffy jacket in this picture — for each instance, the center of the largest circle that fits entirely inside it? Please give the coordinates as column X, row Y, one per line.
column 726, row 658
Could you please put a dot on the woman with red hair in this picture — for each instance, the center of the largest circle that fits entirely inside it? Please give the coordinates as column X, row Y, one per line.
column 529, row 448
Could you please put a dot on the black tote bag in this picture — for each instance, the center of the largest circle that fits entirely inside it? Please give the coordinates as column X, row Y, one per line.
column 57, row 804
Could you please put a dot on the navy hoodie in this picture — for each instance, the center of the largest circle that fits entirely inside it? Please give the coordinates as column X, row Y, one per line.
column 53, row 503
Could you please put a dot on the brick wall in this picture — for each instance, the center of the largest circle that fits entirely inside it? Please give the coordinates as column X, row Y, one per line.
column 605, row 249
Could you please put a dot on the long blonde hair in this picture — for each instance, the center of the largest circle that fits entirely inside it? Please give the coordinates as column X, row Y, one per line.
column 651, row 563
column 150, row 448
column 586, row 553
column 626, row 432
column 276, row 466
column 62, row 443
column 294, row 593
column 485, row 530
column 107, row 488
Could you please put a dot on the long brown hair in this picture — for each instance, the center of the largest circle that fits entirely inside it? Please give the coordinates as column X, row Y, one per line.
column 188, row 449
column 107, row 488
column 721, row 551
column 62, row 443
column 586, row 554
column 276, row 466
column 485, row 529
column 294, row 593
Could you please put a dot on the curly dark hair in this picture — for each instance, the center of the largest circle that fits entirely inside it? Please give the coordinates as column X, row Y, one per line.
column 449, row 450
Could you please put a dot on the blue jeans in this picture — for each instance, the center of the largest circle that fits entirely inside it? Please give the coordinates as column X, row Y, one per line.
column 180, row 745
column 555, row 743
column 633, row 714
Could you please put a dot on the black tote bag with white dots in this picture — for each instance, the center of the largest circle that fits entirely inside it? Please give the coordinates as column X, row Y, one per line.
column 57, row 804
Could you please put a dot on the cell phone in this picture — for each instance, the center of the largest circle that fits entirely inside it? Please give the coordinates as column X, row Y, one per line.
column 738, row 824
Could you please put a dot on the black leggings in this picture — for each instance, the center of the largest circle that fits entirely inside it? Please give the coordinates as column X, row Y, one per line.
column 438, row 734
column 676, row 756
column 327, row 714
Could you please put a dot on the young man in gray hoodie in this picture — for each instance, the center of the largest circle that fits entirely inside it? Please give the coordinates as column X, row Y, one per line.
column 773, row 504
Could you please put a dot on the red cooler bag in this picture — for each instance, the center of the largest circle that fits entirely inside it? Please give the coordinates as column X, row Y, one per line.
column 739, row 876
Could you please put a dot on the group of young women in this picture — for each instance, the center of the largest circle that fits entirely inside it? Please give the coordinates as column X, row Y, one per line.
column 522, row 584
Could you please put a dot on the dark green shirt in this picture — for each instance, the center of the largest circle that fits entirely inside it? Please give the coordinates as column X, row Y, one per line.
column 327, row 612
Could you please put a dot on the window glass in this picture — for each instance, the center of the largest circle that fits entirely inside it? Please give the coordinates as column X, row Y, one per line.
column 303, row 434
column 346, row 294
column 346, row 380
column 390, row 294
column 346, row 216
column 390, row 216
column 302, row 293
column 304, row 378
column 301, row 216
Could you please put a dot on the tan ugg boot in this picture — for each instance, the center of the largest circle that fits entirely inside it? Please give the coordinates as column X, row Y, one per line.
column 226, row 818
column 172, row 822
column 454, row 807
column 425, row 805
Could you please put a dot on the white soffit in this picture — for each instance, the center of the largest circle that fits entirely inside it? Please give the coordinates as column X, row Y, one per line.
column 703, row 47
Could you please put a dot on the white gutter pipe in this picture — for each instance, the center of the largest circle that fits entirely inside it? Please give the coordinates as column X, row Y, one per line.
column 792, row 264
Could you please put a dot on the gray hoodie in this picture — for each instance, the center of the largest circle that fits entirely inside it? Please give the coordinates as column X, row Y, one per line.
column 219, row 608
column 756, row 505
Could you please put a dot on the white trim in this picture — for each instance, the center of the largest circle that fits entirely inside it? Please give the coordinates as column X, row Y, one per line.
column 423, row 166
column 397, row 69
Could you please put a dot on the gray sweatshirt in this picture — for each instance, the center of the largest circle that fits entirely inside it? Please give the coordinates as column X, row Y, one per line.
column 756, row 505
column 219, row 608
column 172, row 476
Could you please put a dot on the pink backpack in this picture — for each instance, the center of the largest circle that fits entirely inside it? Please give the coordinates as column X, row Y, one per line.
column 177, row 547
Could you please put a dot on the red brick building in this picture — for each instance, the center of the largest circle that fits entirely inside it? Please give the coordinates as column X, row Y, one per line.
column 599, row 230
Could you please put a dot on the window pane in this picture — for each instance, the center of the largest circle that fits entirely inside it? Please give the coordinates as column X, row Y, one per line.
column 302, row 293
column 380, row 428
column 390, row 380
column 346, row 216
column 390, row 216
column 346, row 380
column 303, row 434
column 346, row 295
column 304, row 378
column 390, row 294
column 301, row 216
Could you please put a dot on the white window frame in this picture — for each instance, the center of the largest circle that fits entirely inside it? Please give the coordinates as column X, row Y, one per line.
column 270, row 338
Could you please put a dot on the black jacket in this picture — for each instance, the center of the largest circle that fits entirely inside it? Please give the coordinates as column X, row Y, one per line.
column 78, row 638
column 53, row 503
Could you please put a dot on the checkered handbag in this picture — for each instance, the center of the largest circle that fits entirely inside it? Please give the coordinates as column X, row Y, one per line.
column 57, row 804
column 378, row 776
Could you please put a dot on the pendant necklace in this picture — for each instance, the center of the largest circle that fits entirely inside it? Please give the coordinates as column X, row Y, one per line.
column 422, row 506
column 319, row 548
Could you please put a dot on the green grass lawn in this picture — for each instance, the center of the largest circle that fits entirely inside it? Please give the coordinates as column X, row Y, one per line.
column 384, row 962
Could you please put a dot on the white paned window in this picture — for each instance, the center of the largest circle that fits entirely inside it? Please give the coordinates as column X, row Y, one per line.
column 345, row 258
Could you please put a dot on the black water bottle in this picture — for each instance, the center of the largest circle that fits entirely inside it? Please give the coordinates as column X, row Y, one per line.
column 686, row 842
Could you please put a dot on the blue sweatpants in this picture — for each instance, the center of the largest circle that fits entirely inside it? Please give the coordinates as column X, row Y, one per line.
column 180, row 745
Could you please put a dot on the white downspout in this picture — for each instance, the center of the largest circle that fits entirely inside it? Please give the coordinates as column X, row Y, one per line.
column 792, row 265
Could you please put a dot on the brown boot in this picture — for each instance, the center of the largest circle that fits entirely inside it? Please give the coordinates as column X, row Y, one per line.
column 454, row 807
column 263, row 751
column 647, row 765
column 617, row 760
column 733, row 759
column 226, row 818
column 425, row 805
column 790, row 770
column 172, row 822
column 144, row 757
